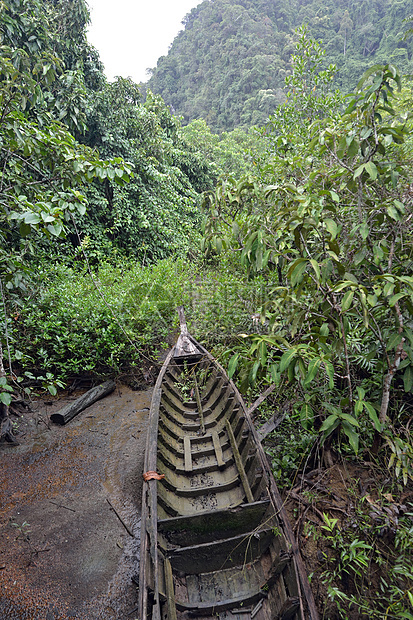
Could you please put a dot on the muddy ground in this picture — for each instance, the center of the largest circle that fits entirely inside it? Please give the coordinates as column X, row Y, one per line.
column 64, row 552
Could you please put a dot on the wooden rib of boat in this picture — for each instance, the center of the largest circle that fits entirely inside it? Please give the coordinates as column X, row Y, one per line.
column 215, row 541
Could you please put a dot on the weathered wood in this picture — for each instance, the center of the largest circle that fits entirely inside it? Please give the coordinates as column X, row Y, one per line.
column 221, row 554
column 203, row 609
column 289, row 609
column 214, row 534
column 210, row 526
column 218, row 449
column 187, row 453
column 80, row 404
column 169, row 588
column 148, row 569
column 270, row 425
column 199, row 405
column 238, row 462
column 182, row 321
column 184, row 347
column 261, row 398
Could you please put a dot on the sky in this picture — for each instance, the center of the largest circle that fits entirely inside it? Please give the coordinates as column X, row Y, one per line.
column 131, row 35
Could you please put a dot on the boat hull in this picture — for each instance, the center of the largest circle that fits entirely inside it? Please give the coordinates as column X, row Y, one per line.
column 215, row 541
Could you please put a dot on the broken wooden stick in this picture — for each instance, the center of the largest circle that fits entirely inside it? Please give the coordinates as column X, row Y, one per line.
column 91, row 396
column 261, row 399
column 120, row 519
column 61, row 506
column 271, row 425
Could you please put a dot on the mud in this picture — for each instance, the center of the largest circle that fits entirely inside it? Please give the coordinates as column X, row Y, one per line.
column 64, row 553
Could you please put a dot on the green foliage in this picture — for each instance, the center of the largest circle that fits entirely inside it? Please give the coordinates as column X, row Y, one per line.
column 44, row 168
column 65, row 134
column 158, row 212
column 229, row 63
column 401, row 458
column 229, row 154
column 329, row 211
column 374, row 550
column 99, row 326
column 116, row 321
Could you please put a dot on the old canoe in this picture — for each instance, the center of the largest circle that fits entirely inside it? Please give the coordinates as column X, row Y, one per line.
column 215, row 541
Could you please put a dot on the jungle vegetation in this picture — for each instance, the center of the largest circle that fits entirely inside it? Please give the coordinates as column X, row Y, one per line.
column 229, row 62
column 288, row 242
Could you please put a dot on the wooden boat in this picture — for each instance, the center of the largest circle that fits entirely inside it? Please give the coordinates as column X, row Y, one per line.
column 215, row 542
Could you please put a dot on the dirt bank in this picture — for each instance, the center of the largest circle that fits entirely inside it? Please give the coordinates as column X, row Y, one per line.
column 64, row 553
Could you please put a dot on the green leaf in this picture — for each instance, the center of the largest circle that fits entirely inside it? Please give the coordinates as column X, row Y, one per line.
column 358, row 407
column 286, row 359
column 253, row 373
column 341, row 285
column 349, row 418
column 393, row 212
column 399, row 206
column 371, row 169
column 55, row 229
column 408, row 379
column 24, row 229
column 360, row 256
column 32, row 218
column 330, row 424
column 263, row 352
column 275, row 374
column 324, row 330
column 364, row 231
column 316, row 268
column 393, row 300
column 347, row 301
column 372, row 415
column 352, row 435
column 313, row 367
column 5, row 398
column 330, row 373
column 359, row 171
column 361, row 392
column 306, row 416
column 393, row 341
column 353, row 148
column 331, row 227
column 341, row 146
column 297, row 270
column 232, row 366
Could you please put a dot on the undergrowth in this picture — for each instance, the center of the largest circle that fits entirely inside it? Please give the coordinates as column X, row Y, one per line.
column 119, row 318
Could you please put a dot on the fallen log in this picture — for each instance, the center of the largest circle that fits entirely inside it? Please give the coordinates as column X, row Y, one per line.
column 88, row 398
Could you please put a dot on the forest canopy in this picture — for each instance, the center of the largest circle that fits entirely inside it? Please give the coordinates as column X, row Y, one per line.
column 229, row 63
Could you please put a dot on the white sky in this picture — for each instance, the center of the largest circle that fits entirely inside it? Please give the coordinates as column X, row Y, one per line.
column 131, row 35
